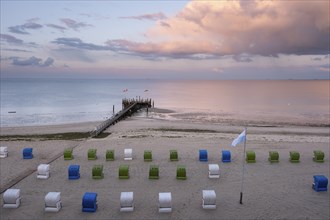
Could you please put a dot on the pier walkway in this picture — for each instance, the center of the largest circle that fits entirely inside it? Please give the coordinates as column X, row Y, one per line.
column 130, row 106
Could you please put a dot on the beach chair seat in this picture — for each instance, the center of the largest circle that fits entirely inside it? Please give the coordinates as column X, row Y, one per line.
column 250, row 156
column 294, row 156
column 273, row 156
column 165, row 202
column 181, row 173
column 53, row 202
column 154, row 172
column 174, row 155
column 73, row 172
column 126, row 201
column 226, row 156
column 147, row 155
column 3, row 152
column 68, row 154
column 97, row 172
column 214, row 171
column 318, row 156
column 89, row 202
column 209, row 199
column 12, row 198
column 110, row 155
column 203, row 155
column 27, row 153
column 123, row 172
column 128, row 154
column 91, row 154
column 320, row 183
column 43, row 171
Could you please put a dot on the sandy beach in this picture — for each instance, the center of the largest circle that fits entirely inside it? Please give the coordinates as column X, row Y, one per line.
column 271, row 191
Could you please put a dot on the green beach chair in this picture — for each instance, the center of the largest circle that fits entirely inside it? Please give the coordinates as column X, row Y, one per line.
column 97, row 172
column 174, row 155
column 181, row 173
column 123, row 172
column 294, row 156
column 153, row 172
column 91, row 154
column 68, row 154
column 109, row 155
column 250, row 156
column 318, row 156
column 147, row 155
column 273, row 156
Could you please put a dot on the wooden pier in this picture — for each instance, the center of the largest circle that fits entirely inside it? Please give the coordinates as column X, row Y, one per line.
column 130, row 106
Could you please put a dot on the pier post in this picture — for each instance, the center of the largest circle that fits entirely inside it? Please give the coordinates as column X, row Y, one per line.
column 113, row 109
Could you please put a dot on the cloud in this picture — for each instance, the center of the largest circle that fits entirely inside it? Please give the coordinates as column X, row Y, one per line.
column 10, row 39
column 32, row 61
column 75, row 25
column 232, row 28
column 217, row 70
column 79, row 44
column 58, row 27
column 243, row 58
column 21, row 29
column 16, row 50
column 152, row 17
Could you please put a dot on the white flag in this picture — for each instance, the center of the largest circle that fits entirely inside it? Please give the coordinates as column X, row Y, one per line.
column 241, row 138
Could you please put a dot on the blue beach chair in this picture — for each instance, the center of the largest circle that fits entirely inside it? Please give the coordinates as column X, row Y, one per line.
column 73, row 172
column 27, row 153
column 203, row 155
column 226, row 156
column 89, row 202
column 320, row 183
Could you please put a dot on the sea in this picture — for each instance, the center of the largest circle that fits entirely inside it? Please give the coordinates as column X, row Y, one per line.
column 29, row 102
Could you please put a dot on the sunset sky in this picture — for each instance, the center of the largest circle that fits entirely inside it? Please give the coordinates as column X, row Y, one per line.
column 165, row 39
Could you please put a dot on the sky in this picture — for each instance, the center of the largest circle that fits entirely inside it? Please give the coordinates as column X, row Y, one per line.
column 216, row 39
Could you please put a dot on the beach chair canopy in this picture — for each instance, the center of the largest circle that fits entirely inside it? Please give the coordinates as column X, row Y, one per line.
column 97, row 172
column 154, row 172
column 68, row 154
column 147, row 155
column 91, row 154
column 294, row 156
column 123, row 172
column 318, row 156
column 27, row 153
column 226, row 156
column 128, row 154
column 165, row 202
column 89, row 202
column 43, row 171
column 53, row 202
column 273, row 156
column 3, row 152
column 214, row 171
column 181, row 173
column 126, row 202
column 320, row 183
column 202, row 155
column 250, row 156
column 174, row 155
column 110, row 155
column 73, row 172
column 12, row 198
column 209, row 199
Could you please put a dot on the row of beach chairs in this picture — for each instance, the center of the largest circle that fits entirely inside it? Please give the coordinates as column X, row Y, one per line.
column 203, row 155
column 53, row 203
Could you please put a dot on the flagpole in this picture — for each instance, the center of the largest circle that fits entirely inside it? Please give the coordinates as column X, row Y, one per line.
column 241, row 194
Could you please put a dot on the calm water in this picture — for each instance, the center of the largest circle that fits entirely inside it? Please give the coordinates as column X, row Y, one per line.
column 57, row 101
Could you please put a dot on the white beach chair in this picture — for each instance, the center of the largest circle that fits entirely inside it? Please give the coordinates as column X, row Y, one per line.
column 12, row 198
column 43, row 171
column 128, row 154
column 214, row 171
column 3, row 152
column 209, row 199
column 126, row 202
column 53, row 202
column 165, row 202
